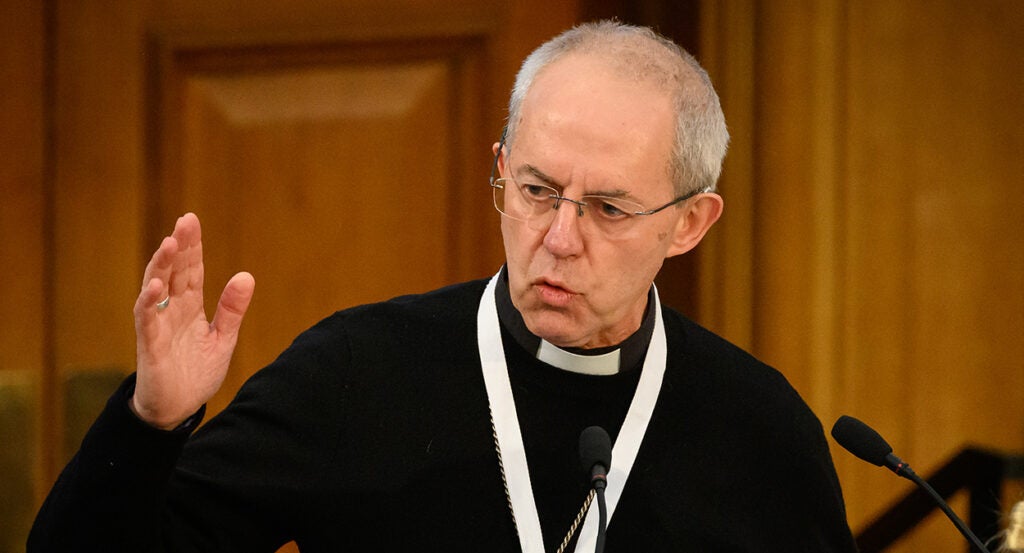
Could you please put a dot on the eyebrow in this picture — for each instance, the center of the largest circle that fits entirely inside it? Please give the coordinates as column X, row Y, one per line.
column 552, row 182
column 537, row 173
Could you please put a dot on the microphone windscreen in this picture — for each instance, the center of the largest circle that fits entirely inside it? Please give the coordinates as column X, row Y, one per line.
column 861, row 440
column 595, row 448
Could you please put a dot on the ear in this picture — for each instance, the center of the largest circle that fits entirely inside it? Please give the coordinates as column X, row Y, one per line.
column 499, row 158
column 699, row 215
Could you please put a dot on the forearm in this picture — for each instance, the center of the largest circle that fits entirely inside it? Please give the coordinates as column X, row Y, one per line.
column 110, row 497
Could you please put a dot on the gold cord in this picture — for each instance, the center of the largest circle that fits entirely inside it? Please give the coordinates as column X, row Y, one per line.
column 508, row 496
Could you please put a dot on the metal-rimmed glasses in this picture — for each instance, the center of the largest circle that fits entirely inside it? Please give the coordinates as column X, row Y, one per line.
column 536, row 205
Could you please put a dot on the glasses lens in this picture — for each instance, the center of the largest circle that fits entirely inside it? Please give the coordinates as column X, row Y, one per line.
column 498, row 191
column 611, row 212
column 505, row 192
column 525, row 202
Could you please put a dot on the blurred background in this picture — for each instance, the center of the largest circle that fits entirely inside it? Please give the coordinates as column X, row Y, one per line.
column 872, row 246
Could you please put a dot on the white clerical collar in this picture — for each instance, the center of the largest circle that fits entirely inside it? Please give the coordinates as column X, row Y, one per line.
column 604, row 364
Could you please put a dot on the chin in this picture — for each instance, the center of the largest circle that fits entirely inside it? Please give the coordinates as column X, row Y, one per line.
column 557, row 328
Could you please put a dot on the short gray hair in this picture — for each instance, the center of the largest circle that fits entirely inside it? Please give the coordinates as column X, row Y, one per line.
column 640, row 53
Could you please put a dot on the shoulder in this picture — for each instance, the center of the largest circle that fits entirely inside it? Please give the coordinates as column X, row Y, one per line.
column 413, row 320
column 450, row 304
column 406, row 327
column 712, row 357
column 732, row 383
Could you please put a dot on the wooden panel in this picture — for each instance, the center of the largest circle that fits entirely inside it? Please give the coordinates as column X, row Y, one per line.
column 23, row 256
column 21, row 187
column 799, row 174
column 938, row 162
column 327, row 170
column 888, row 279
column 727, row 257
column 97, row 169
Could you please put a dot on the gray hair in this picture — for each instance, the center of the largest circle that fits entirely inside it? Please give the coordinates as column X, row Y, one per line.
column 639, row 53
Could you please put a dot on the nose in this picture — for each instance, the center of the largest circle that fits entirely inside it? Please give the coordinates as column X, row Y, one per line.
column 563, row 238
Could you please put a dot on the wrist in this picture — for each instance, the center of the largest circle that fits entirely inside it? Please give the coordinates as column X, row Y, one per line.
column 157, row 422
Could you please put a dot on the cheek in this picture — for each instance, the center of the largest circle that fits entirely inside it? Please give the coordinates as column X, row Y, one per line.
column 519, row 243
column 639, row 261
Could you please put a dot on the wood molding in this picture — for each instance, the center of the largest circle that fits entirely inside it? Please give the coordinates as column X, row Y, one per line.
column 175, row 58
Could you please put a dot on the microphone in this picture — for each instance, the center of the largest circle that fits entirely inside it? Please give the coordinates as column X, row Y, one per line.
column 862, row 441
column 596, row 459
column 596, row 455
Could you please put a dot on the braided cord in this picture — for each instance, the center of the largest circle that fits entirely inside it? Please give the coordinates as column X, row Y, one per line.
column 508, row 496
column 577, row 521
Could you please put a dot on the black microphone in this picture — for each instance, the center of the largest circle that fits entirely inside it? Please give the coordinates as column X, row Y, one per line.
column 862, row 441
column 596, row 458
column 596, row 455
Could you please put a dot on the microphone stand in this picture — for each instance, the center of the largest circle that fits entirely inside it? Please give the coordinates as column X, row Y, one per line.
column 602, row 521
column 862, row 440
column 905, row 471
column 596, row 457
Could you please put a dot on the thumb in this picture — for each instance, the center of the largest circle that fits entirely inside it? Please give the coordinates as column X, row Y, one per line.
column 233, row 303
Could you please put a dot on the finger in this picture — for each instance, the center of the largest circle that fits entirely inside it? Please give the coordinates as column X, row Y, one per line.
column 188, row 258
column 146, row 326
column 159, row 265
column 154, row 280
column 233, row 304
column 195, row 253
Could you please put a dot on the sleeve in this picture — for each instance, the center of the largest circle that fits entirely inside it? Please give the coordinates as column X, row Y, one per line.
column 816, row 487
column 797, row 466
column 110, row 496
column 240, row 483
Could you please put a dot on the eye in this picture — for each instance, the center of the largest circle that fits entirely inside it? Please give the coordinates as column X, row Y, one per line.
column 608, row 208
column 537, row 192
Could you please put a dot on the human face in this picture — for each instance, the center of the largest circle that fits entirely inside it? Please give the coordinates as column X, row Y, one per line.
column 584, row 130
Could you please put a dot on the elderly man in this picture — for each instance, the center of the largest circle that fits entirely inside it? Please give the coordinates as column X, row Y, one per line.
column 449, row 421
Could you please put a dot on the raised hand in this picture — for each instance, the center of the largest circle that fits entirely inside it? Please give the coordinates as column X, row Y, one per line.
column 181, row 357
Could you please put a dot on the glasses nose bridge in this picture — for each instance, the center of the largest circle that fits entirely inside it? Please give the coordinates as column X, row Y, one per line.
column 556, row 225
column 579, row 204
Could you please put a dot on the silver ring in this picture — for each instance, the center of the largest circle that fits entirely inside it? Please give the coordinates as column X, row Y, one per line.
column 160, row 306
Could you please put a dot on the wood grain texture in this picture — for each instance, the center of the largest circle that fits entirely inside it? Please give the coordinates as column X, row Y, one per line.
column 888, row 241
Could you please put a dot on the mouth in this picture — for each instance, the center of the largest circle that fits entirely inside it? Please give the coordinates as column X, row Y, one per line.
column 554, row 293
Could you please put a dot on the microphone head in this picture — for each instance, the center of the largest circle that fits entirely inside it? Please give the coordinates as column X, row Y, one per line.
column 861, row 440
column 595, row 449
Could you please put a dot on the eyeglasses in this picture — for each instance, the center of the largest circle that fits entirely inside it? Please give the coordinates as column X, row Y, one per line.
column 536, row 205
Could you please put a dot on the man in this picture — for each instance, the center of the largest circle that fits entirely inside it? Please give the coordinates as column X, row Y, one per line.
column 449, row 421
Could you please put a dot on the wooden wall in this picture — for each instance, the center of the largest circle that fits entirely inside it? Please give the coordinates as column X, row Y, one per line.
column 873, row 239
column 882, row 269
column 23, row 256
